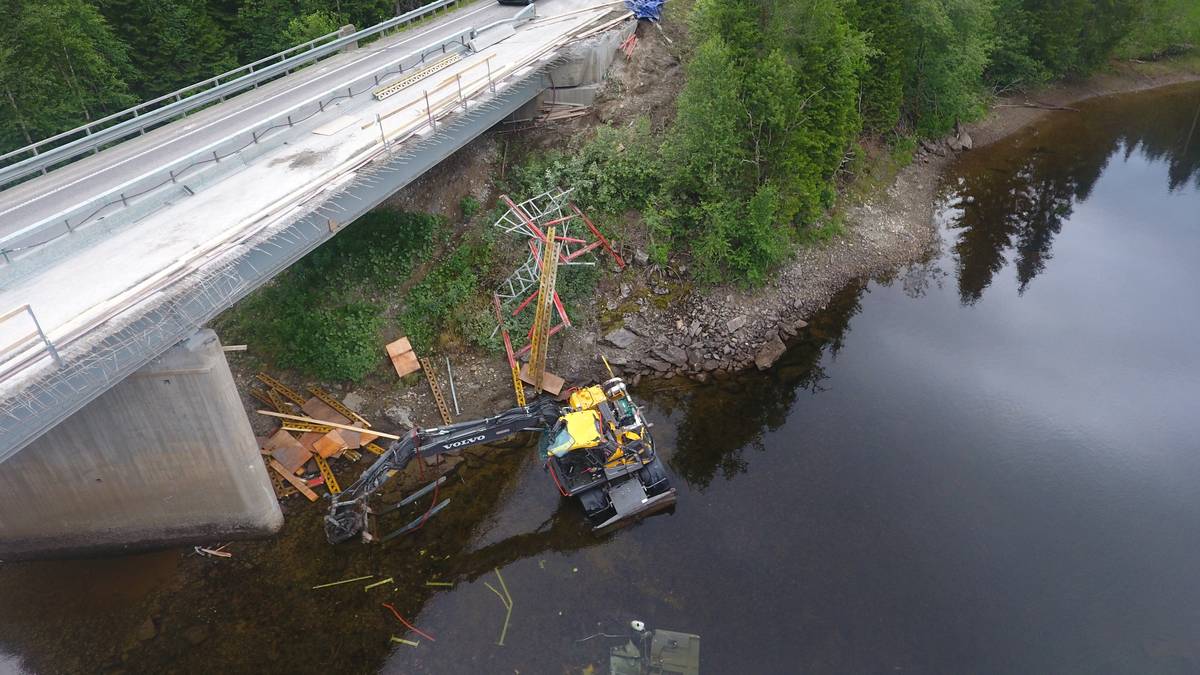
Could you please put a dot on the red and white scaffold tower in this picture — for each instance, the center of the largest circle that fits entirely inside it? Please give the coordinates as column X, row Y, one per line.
column 550, row 223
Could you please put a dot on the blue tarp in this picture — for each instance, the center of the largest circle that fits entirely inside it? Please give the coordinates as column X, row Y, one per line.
column 645, row 9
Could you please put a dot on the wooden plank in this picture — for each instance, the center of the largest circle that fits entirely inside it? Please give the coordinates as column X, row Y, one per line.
column 315, row 407
column 329, row 400
column 296, row 482
column 302, row 418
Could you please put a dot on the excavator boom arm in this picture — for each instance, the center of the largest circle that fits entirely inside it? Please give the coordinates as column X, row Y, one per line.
column 348, row 513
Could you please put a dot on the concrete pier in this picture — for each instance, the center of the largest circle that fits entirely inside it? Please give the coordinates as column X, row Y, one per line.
column 165, row 457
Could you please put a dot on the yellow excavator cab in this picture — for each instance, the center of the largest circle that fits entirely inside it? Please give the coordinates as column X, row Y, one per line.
column 582, row 430
column 587, row 398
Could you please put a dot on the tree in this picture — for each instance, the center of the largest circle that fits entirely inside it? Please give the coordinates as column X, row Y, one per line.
column 61, row 66
column 309, row 27
column 173, row 43
column 261, row 25
column 1040, row 40
column 952, row 40
column 762, row 124
column 885, row 28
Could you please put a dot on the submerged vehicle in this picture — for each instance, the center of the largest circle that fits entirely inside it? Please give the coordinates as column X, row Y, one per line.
column 596, row 448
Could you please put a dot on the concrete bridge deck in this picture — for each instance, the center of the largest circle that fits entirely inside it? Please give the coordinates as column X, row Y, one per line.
column 128, row 286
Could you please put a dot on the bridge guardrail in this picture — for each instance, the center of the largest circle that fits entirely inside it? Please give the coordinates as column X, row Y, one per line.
column 96, row 134
column 67, row 220
column 22, row 345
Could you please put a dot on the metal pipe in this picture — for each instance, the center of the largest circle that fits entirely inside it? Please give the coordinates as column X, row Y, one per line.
column 453, row 393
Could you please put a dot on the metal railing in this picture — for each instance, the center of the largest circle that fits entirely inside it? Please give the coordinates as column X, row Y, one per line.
column 143, row 115
column 121, row 196
column 74, row 217
column 21, row 344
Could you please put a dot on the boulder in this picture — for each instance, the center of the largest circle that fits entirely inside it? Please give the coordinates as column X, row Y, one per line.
column 734, row 324
column 965, row 140
column 400, row 416
column 617, row 358
column 770, row 352
column 672, row 354
column 620, row 338
column 354, row 401
column 641, row 257
column 660, row 366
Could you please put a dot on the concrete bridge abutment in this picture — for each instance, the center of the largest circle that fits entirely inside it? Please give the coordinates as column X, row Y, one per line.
column 165, row 457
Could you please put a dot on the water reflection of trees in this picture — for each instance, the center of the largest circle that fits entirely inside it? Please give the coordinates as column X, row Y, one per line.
column 1014, row 198
column 720, row 420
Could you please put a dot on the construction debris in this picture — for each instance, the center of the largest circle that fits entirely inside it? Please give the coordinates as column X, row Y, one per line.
column 409, row 626
column 629, row 45
column 379, row 583
column 506, row 600
column 343, row 581
column 431, row 376
column 217, row 552
column 453, row 393
column 291, row 478
column 332, row 431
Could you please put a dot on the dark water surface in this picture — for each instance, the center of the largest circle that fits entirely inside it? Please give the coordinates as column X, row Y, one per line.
column 989, row 463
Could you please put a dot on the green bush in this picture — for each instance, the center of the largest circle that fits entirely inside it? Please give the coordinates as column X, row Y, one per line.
column 469, row 207
column 438, row 303
column 321, row 317
column 617, row 170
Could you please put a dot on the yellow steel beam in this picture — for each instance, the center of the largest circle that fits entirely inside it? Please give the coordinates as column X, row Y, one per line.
column 431, row 376
column 331, row 483
column 282, row 388
column 547, row 278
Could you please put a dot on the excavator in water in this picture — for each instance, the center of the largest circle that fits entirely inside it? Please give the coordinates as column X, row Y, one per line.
column 596, row 448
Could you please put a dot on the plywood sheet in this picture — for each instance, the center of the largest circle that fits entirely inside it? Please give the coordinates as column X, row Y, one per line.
column 406, row 363
column 551, row 383
column 330, row 444
column 398, row 347
column 319, row 410
column 288, row 451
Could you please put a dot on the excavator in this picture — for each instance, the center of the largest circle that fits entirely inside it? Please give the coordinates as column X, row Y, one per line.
column 597, row 449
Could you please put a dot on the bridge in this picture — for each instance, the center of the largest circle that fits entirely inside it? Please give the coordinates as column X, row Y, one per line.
column 119, row 419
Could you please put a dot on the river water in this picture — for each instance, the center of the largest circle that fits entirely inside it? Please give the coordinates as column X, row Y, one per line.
column 989, row 462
